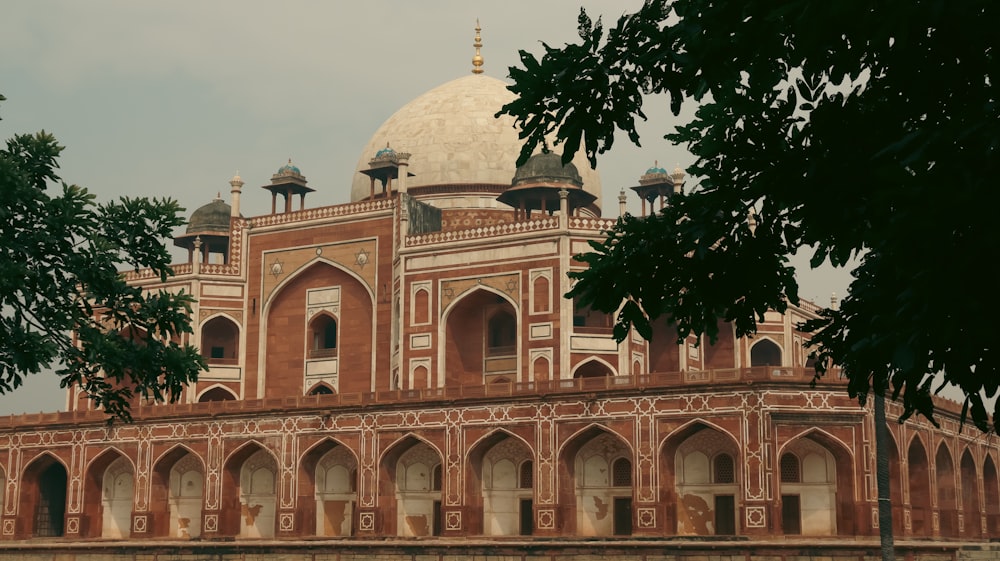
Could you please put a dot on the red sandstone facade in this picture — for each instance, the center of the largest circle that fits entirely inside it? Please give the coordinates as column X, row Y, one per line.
column 377, row 369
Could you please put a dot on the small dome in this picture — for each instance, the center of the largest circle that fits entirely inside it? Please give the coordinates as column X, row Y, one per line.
column 385, row 152
column 213, row 217
column 547, row 167
column 656, row 170
column 288, row 169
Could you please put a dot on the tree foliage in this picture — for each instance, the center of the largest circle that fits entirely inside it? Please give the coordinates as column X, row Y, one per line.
column 63, row 302
column 864, row 132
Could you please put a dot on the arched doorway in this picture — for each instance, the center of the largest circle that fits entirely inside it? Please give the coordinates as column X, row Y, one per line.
column 43, row 497
column 765, row 353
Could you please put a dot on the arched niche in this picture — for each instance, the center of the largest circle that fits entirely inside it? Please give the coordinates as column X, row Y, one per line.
column 480, row 339
column 499, row 486
column 410, row 487
column 249, row 493
column 920, row 491
column 315, row 305
column 700, row 482
column 177, row 494
column 591, row 504
column 328, row 482
column 220, row 341
column 816, row 482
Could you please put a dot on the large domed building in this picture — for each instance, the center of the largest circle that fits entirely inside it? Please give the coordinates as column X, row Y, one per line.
column 405, row 367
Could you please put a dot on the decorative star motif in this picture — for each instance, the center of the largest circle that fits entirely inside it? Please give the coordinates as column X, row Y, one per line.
column 511, row 286
column 361, row 258
column 277, row 268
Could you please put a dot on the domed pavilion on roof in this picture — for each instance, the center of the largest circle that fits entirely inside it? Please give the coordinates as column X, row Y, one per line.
column 406, row 365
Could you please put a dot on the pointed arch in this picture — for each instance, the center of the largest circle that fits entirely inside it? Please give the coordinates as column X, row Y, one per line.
column 765, row 352
column 245, row 511
column 323, row 335
column 44, row 483
column 972, row 513
column 991, row 494
column 420, row 306
column 321, row 388
column 305, row 267
column 109, row 482
column 285, row 317
column 826, row 488
column 594, row 367
column 589, row 504
column 493, row 484
column 470, row 353
column 328, row 483
column 697, row 504
column 919, row 487
column 220, row 339
column 947, row 497
column 177, row 493
column 216, row 392
column 409, row 495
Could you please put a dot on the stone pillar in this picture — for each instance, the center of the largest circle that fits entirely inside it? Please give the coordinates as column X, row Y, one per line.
column 196, row 262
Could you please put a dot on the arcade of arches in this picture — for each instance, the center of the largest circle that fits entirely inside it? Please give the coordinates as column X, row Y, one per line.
column 502, row 470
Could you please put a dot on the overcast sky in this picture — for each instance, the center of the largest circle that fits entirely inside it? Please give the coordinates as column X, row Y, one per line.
column 172, row 98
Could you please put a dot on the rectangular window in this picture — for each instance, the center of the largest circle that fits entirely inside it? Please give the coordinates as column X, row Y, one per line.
column 218, row 352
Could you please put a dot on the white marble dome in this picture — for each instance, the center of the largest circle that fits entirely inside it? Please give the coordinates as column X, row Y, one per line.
column 453, row 138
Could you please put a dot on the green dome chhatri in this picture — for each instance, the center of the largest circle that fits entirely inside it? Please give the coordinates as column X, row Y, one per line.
column 213, row 217
column 289, row 168
column 385, row 152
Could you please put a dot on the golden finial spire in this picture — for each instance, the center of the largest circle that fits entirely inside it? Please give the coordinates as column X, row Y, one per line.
column 477, row 61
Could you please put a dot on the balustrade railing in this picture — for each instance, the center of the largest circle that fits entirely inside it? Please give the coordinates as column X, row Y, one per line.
column 642, row 382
